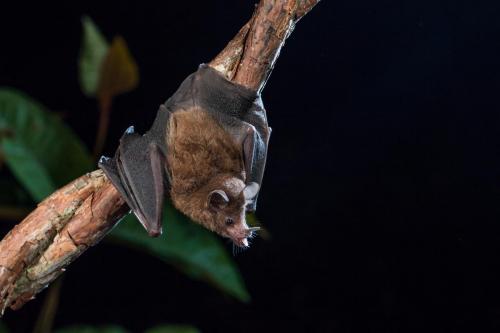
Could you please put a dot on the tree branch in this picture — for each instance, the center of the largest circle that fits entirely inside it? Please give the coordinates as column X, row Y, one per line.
column 64, row 225
column 79, row 215
column 250, row 56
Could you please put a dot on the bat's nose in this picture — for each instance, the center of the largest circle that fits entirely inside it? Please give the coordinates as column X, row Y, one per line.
column 240, row 235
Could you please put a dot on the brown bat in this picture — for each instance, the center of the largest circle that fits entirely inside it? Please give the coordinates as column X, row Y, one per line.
column 207, row 149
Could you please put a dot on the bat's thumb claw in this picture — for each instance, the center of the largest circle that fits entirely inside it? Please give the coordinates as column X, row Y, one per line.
column 103, row 159
column 130, row 130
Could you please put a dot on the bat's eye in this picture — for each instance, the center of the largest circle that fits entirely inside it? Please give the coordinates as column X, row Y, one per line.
column 229, row 222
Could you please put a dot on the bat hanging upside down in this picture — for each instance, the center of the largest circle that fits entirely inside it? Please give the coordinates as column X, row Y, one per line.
column 207, row 149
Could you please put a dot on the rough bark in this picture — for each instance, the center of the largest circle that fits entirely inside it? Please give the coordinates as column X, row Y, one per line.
column 79, row 215
column 64, row 225
column 249, row 58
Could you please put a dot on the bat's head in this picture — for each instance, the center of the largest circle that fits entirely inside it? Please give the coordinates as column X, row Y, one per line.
column 227, row 204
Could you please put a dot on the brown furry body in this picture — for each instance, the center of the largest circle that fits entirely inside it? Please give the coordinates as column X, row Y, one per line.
column 208, row 146
column 202, row 156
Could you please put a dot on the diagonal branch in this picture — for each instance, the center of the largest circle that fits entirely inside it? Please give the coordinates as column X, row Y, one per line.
column 37, row 250
column 250, row 56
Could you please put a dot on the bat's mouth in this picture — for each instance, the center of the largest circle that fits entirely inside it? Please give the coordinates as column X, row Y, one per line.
column 241, row 242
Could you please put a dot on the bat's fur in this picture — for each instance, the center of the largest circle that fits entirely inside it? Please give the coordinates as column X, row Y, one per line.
column 198, row 148
column 203, row 157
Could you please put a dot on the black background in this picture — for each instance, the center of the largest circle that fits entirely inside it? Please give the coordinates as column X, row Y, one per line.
column 382, row 186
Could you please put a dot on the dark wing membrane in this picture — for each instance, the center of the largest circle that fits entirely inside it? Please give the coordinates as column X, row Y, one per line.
column 108, row 165
column 137, row 173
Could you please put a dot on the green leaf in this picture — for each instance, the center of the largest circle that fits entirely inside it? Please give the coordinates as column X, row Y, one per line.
column 93, row 50
column 90, row 329
column 173, row 329
column 188, row 246
column 40, row 150
column 3, row 328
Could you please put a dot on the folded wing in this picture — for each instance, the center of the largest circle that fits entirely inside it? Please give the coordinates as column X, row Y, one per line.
column 137, row 171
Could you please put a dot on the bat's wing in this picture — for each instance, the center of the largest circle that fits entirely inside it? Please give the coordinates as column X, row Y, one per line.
column 137, row 171
column 254, row 149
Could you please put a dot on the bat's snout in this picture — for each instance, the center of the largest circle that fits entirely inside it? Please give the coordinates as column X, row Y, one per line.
column 240, row 236
column 241, row 242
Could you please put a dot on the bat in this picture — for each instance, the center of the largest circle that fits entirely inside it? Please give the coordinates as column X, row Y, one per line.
column 206, row 150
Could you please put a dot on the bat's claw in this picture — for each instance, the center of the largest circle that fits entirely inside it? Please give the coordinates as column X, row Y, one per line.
column 104, row 159
column 130, row 130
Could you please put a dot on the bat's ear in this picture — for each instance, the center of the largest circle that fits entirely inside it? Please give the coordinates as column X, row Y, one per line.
column 251, row 190
column 218, row 200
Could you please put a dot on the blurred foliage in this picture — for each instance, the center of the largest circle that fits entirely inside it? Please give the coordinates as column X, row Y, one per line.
column 38, row 148
column 119, row 73
column 193, row 249
column 105, row 71
column 93, row 50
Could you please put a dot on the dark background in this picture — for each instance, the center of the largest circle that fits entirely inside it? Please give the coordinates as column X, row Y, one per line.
column 382, row 186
